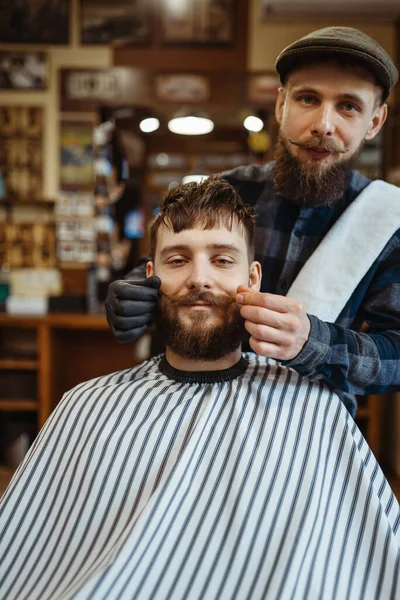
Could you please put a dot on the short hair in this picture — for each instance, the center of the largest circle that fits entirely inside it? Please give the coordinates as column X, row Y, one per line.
column 211, row 203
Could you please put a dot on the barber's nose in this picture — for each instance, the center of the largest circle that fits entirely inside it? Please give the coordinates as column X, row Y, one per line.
column 323, row 122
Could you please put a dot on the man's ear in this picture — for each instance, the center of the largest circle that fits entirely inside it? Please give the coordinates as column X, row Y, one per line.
column 280, row 102
column 255, row 276
column 149, row 269
column 377, row 122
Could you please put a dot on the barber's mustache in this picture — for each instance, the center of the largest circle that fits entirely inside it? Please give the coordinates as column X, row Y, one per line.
column 220, row 300
column 313, row 141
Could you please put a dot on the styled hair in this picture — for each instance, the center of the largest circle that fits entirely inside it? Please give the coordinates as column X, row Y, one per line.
column 209, row 204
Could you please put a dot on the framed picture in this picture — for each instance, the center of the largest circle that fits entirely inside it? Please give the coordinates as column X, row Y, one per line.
column 23, row 70
column 34, row 21
column 115, row 21
column 209, row 22
column 76, row 154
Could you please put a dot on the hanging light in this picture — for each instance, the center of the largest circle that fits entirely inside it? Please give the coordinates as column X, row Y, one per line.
column 149, row 125
column 253, row 123
column 195, row 178
column 190, row 123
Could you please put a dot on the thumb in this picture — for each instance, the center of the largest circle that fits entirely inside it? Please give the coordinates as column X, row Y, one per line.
column 243, row 289
column 153, row 282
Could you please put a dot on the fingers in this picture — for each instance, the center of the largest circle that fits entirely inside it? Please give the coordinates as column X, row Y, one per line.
column 129, row 308
column 131, row 323
column 270, row 301
column 263, row 316
column 265, row 349
column 126, row 290
column 269, row 335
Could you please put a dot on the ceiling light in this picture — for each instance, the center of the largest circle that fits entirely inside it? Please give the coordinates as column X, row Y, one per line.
column 195, row 178
column 253, row 123
column 190, row 123
column 148, row 125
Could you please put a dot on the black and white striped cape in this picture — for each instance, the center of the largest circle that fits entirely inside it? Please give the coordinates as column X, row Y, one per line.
column 153, row 483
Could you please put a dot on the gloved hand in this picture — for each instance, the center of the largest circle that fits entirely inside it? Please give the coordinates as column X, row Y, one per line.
column 130, row 307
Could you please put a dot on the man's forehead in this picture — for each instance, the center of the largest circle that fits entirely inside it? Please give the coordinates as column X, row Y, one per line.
column 341, row 76
column 198, row 237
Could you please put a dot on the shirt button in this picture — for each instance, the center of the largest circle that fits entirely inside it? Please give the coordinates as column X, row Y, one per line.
column 297, row 234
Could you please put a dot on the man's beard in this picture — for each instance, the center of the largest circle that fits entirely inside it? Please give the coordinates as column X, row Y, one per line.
column 311, row 183
column 195, row 338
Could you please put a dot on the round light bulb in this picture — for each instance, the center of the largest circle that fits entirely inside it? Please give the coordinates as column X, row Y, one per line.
column 190, row 125
column 148, row 125
column 253, row 123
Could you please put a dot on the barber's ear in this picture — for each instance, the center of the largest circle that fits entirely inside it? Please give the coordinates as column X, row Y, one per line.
column 149, row 269
column 280, row 103
column 255, row 276
column 377, row 122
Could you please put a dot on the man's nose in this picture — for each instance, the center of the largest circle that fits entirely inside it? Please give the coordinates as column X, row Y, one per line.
column 199, row 278
column 323, row 123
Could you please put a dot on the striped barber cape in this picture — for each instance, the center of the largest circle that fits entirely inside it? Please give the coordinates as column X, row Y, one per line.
column 248, row 483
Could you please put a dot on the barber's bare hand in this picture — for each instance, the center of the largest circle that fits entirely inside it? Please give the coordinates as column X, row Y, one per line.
column 278, row 325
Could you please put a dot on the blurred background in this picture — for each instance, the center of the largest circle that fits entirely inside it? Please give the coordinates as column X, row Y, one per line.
column 104, row 105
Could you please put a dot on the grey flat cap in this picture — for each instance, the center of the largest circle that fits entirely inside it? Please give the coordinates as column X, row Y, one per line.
column 341, row 42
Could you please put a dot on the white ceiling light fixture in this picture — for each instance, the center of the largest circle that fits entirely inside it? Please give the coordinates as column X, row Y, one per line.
column 253, row 123
column 149, row 125
column 195, row 178
column 191, row 123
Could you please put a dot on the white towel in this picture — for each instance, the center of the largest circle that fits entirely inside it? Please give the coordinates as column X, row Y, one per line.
column 349, row 249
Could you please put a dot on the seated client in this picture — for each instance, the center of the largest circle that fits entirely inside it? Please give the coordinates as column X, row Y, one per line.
column 203, row 473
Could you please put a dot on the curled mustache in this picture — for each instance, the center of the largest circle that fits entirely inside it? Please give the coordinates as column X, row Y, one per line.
column 318, row 142
column 206, row 297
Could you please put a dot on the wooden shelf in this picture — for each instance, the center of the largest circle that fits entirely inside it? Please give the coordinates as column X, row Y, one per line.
column 18, row 364
column 363, row 413
column 18, row 405
column 6, row 474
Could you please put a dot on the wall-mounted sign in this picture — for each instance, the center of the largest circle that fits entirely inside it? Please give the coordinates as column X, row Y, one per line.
column 102, row 85
column 263, row 88
column 182, row 88
column 107, row 85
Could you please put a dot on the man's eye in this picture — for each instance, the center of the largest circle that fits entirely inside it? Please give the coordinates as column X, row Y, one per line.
column 223, row 261
column 307, row 99
column 348, row 107
column 176, row 261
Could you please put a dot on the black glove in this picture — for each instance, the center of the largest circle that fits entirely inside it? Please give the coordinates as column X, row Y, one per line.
column 130, row 307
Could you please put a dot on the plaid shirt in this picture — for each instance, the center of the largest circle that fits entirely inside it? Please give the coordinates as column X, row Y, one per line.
column 346, row 359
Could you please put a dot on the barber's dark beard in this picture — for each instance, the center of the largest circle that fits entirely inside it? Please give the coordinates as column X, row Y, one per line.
column 310, row 183
column 200, row 340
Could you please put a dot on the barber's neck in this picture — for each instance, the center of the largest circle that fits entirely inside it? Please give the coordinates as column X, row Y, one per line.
column 187, row 364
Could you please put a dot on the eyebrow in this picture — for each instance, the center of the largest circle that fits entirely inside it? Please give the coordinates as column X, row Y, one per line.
column 184, row 247
column 345, row 96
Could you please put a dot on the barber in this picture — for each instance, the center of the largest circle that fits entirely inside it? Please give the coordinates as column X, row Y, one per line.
column 334, row 85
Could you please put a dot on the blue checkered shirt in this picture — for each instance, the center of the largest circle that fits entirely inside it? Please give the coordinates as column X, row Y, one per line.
column 359, row 353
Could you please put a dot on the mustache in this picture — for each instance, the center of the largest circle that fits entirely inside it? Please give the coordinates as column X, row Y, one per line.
column 313, row 141
column 220, row 300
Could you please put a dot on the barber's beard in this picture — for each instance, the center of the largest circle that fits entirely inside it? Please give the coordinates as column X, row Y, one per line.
column 311, row 183
column 201, row 337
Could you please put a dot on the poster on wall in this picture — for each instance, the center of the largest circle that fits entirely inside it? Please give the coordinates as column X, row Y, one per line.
column 76, row 153
column 209, row 22
column 23, row 70
column 34, row 21
column 108, row 21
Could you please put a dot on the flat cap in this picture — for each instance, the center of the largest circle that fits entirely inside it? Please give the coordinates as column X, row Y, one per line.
column 343, row 42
